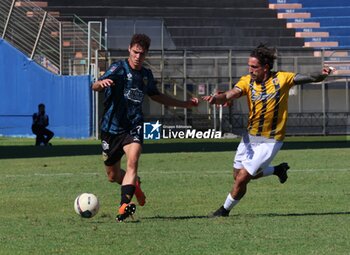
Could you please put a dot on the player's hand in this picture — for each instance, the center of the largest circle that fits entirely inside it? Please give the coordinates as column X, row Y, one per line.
column 210, row 99
column 193, row 102
column 328, row 70
column 105, row 83
column 227, row 103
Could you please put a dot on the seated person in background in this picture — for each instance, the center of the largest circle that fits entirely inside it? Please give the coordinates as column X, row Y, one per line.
column 40, row 122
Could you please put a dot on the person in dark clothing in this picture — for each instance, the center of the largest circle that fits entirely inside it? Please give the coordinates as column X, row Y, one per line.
column 40, row 122
column 125, row 84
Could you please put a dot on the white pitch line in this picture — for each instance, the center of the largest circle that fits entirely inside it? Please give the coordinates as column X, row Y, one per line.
column 49, row 175
column 46, row 175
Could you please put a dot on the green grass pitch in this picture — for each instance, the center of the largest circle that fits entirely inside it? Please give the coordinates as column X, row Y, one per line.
column 184, row 181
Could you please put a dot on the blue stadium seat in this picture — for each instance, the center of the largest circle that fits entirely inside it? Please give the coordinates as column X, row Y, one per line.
column 332, row 16
column 315, row 3
column 343, row 40
column 328, row 11
column 333, row 30
column 324, row 25
column 322, row 11
column 329, row 21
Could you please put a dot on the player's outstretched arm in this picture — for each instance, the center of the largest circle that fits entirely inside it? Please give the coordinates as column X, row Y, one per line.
column 170, row 101
column 223, row 98
column 315, row 77
column 102, row 84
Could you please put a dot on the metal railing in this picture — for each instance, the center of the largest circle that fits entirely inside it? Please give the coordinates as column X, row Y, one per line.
column 80, row 40
column 34, row 32
column 63, row 47
column 314, row 108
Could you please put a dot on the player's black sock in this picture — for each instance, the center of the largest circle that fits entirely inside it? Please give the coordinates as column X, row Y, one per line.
column 127, row 192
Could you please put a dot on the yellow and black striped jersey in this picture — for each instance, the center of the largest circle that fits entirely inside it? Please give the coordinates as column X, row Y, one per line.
column 268, row 104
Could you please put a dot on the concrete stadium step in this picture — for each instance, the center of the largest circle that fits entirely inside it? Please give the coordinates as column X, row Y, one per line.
column 311, row 34
column 54, row 14
column 236, row 18
column 293, row 15
column 235, row 22
column 342, row 40
column 331, row 14
column 280, row 6
column 42, row 4
column 321, row 44
column 239, row 41
column 153, row 12
column 332, row 53
column 303, row 25
column 40, row 13
column 228, row 31
column 162, row 3
column 326, row 21
column 337, row 31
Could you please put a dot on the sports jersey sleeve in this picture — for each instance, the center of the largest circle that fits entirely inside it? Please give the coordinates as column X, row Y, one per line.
column 151, row 85
column 288, row 79
column 115, row 70
column 243, row 84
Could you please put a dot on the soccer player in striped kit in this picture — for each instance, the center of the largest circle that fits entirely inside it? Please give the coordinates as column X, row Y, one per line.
column 125, row 84
column 267, row 94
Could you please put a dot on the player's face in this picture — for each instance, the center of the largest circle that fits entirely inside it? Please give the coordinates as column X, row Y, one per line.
column 256, row 70
column 136, row 56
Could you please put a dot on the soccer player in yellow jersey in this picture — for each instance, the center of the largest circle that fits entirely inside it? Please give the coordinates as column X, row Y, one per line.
column 267, row 96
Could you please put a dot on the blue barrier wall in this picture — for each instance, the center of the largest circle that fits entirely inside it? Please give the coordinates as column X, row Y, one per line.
column 24, row 84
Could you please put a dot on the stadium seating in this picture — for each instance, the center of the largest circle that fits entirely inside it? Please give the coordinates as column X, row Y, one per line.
column 231, row 24
column 194, row 23
column 320, row 22
column 324, row 25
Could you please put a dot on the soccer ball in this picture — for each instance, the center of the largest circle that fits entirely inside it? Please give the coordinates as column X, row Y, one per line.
column 86, row 205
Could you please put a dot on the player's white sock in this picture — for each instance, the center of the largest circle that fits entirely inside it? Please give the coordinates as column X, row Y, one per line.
column 268, row 171
column 230, row 202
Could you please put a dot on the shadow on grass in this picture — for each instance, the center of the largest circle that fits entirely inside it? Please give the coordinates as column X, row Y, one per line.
column 158, row 217
column 19, row 151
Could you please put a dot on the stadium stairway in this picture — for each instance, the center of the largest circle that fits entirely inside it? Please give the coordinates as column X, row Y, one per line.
column 324, row 25
column 196, row 24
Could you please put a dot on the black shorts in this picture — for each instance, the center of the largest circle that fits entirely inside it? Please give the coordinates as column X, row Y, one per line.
column 112, row 145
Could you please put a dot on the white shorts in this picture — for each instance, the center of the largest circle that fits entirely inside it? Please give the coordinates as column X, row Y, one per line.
column 255, row 153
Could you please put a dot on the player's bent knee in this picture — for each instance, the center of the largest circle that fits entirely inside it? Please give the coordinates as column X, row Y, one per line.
column 114, row 178
column 243, row 177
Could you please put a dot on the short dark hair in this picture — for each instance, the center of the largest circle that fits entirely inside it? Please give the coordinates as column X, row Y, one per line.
column 265, row 55
column 41, row 105
column 141, row 39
